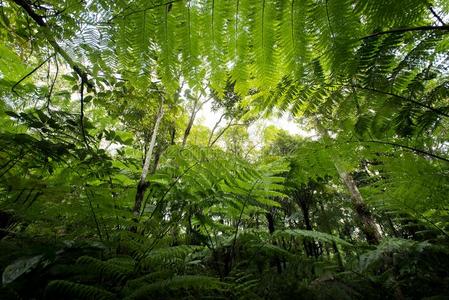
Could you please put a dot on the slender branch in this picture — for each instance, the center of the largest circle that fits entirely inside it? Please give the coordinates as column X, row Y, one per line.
column 214, row 128
column 241, row 214
column 94, row 216
column 171, row 186
column 79, row 69
column 408, row 29
column 224, row 130
column 436, row 15
column 419, row 151
column 191, row 120
column 50, row 92
column 30, row 73
column 435, row 110
column 83, row 132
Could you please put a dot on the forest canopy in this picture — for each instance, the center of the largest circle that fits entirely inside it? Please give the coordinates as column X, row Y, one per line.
column 112, row 185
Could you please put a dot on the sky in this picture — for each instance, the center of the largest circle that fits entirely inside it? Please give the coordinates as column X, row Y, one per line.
column 207, row 117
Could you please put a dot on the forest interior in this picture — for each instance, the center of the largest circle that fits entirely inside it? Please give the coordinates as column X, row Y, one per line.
column 138, row 159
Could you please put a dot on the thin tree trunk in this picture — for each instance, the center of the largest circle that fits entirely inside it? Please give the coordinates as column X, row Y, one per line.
column 214, row 128
column 271, row 229
column 157, row 156
column 303, row 198
column 369, row 227
column 230, row 124
column 172, row 135
column 334, row 245
column 190, row 124
column 143, row 184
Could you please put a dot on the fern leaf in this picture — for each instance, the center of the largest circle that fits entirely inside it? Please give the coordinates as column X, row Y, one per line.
column 321, row 236
column 61, row 288
column 187, row 282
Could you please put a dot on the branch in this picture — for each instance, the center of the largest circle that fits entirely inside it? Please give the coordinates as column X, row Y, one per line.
column 50, row 92
column 241, row 214
column 79, row 69
column 83, row 132
column 215, row 127
column 224, row 130
column 419, row 151
column 435, row 110
column 171, row 186
column 436, row 15
column 29, row 74
column 402, row 30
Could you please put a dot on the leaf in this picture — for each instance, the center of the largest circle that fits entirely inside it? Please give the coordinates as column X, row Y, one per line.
column 87, row 99
column 20, row 267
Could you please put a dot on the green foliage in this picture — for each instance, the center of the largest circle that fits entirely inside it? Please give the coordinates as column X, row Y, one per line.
column 61, row 288
column 100, row 199
column 164, row 288
column 321, row 236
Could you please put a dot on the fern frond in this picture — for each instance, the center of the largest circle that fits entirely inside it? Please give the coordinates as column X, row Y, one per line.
column 107, row 269
column 186, row 282
column 61, row 288
column 388, row 247
column 321, row 236
column 168, row 255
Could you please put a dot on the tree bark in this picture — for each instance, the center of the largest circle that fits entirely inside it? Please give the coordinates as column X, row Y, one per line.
column 369, row 227
column 334, row 245
column 214, row 128
column 270, row 220
column 303, row 198
column 143, row 185
column 190, row 124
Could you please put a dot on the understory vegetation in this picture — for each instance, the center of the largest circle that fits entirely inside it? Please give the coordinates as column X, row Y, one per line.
column 113, row 187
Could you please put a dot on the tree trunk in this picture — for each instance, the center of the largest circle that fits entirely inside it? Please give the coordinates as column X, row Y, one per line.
column 334, row 245
column 190, row 124
column 270, row 221
column 143, row 185
column 303, row 199
column 172, row 135
column 214, row 128
column 369, row 227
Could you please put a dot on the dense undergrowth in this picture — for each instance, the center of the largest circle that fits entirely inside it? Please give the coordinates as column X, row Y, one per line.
column 111, row 187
